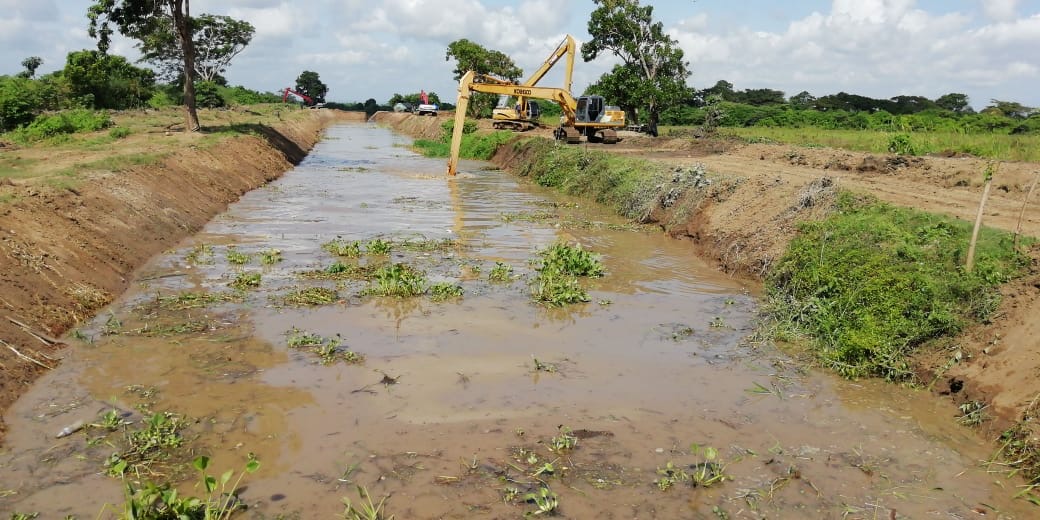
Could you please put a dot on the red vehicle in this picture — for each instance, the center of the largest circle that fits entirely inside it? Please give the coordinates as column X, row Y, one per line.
column 306, row 99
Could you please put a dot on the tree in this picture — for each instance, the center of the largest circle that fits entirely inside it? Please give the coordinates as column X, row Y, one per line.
column 31, row 64
column 802, row 100
column 472, row 56
column 1009, row 108
column 616, row 86
column 102, row 81
column 217, row 39
column 627, row 29
column 139, row 19
column 310, row 85
column 954, row 102
column 413, row 99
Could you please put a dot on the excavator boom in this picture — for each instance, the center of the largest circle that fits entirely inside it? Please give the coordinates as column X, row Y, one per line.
column 603, row 125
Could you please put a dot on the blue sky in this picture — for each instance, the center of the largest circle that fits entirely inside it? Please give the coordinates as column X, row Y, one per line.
column 375, row 48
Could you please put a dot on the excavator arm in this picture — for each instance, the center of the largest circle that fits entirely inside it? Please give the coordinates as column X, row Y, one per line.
column 473, row 82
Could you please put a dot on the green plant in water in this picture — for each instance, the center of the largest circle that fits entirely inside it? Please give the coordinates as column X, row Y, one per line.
column 570, row 259
column 200, row 254
column 545, row 502
column 302, row 339
column 340, row 247
column 442, row 291
column 270, row 256
column 558, row 289
column 565, row 441
column 151, row 501
column 378, row 246
column 973, row 413
column 245, row 281
column 399, row 280
column 311, row 296
column 365, row 508
column 236, row 257
column 500, row 273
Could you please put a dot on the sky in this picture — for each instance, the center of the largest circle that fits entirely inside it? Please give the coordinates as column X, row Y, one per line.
column 987, row 49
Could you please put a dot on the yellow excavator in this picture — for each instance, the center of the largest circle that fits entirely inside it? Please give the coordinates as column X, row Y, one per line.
column 524, row 114
column 587, row 116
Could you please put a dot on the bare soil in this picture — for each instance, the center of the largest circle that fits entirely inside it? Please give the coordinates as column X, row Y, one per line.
column 68, row 249
column 746, row 229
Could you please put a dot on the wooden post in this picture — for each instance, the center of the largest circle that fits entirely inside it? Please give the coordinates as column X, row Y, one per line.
column 990, row 170
column 1018, row 227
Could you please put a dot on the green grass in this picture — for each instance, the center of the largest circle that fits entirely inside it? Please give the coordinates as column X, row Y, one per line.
column 871, row 283
column 399, row 280
column 991, row 146
column 557, row 281
column 474, row 146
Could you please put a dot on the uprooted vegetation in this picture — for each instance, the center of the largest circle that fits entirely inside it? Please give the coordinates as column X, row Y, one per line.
column 871, row 283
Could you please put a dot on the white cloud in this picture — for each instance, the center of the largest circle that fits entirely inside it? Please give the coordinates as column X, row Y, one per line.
column 878, row 48
column 1002, row 10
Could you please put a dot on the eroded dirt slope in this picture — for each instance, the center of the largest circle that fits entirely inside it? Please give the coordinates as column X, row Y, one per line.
column 65, row 252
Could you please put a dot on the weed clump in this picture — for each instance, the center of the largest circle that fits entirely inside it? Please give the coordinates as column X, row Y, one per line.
column 311, row 296
column 871, row 283
column 400, row 280
column 340, row 247
column 442, row 291
column 561, row 265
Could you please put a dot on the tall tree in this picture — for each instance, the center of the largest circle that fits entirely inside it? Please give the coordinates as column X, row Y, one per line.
column 140, row 18
column 627, row 29
column 472, row 56
column 31, row 64
column 217, row 39
column 802, row 100
column 310, row 85
column 1010, row 108
column 954, row 102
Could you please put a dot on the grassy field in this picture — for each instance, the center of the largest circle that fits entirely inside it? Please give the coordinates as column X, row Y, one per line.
column 993, row 146
column 135, row 137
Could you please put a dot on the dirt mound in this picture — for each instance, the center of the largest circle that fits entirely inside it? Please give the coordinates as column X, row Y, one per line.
column 67, row 252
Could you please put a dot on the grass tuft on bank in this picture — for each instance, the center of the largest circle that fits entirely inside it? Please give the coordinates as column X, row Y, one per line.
column 872, row 282
column 480, row 146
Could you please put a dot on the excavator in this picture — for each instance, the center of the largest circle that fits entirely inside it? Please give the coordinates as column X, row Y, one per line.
column 587, row 116
column 524, row 115
column 288, row 91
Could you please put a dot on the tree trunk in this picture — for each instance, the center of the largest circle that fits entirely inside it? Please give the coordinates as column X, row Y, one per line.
column 653, row 117
column 181, row 14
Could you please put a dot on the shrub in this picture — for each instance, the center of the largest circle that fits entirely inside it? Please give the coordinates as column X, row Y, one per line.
column 207, row 95
column 900, row 144
column 68, row 122
column 871, row 283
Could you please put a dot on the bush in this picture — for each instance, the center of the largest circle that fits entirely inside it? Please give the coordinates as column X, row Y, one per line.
column 871, row 283
column 67, row 122
column 900, row 144
column 119, row 132
column 207, row 95
column 18, row 105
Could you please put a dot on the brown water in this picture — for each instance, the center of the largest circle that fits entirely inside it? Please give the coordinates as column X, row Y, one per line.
column 655, row 363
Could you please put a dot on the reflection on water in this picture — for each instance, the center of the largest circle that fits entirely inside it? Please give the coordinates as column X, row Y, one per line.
column 652, row 365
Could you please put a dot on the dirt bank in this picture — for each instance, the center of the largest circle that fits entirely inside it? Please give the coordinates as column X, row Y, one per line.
column 66, row 251
column 746, row 227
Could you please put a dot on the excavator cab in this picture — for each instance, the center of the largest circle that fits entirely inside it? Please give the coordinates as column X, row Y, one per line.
column 590, row 108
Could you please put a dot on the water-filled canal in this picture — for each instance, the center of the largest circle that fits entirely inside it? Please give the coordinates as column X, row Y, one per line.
column 460, row 408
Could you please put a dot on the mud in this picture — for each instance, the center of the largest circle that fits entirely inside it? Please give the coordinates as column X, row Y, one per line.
column 65, row 252
column 654, row 364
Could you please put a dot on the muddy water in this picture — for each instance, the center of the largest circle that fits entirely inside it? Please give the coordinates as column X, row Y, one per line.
column 459, row 400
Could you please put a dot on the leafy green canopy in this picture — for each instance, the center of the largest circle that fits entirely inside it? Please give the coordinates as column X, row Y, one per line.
column 472, row 56
column 309, row 84
column 873, row 282
column 217, row 39
column 653, row 73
